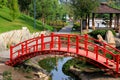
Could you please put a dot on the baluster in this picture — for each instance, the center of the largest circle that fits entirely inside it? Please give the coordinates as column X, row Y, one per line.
column 77, row 44
column 59, row 43
column 106, row 61
column 26, row 44
column 22, row 47
column 96, row 52
column 68, row 46
column 52, row 41
column 42, row 41
column 117, row 63
column 36, row 44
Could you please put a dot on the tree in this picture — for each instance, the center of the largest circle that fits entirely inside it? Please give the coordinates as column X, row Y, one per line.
column 3, row 3
column 24, row 5
column 14, row 9
column 47, row 10
column 114, row 3
column 83, row 8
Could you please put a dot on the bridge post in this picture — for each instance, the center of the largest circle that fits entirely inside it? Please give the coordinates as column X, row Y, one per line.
column 26, row 44
column 11, row 53
column 117, row 63
column 77, row 44
column 86, row 44
column 59, row 43
column 36, row 44
column 22, row 47
column 68, row 46
column 96, row 51
column 42, row 41
column 52, row 41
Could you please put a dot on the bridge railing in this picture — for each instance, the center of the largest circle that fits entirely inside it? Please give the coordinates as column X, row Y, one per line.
column 110, row 53
column 67, row 41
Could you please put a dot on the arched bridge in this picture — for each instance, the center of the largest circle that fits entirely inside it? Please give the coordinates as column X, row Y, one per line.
column 98, row 53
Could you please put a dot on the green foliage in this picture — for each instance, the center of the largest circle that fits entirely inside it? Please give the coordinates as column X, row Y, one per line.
column 101, row 32
column 14, row 9
column 57, row 23
column 3, row 3
column 77, row 63
column 114, row 3
column 23, row 68
column 24, row 5
column 109, row 56
column 7, row 75
column 20, row 22
column 76, row 26
column 29, row 77
column 48, row 10
column 84, row 7
column 48, row 64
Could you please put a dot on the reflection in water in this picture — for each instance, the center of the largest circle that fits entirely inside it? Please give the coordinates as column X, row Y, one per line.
column 57, row 73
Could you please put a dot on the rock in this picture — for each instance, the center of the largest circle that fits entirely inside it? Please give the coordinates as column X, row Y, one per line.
column 110, row 38
column 117, row 40
column 16, row 36
column 3, row 45
column 100, row 37
column 25, row 34
column 41, row 75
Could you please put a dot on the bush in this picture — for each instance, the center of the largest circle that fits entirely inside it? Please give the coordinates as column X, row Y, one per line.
column 76, row 26
column 101, row 32
column 57, row 23
column 7, row 75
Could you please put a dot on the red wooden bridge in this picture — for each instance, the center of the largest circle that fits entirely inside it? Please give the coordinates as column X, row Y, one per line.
column 98, row 53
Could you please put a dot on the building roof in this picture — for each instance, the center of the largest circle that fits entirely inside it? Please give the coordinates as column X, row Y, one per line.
column 104, row 8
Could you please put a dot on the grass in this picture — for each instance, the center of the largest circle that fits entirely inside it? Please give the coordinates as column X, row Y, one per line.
column 6, row 23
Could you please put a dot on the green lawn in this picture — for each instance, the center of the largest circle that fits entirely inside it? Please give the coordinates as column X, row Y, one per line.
column 22, row 21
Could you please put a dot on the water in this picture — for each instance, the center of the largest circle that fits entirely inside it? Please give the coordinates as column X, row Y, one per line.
column 57, row 73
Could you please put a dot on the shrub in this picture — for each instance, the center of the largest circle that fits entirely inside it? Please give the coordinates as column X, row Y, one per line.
column 76, row 26
column 7, row 75
column 101, row 32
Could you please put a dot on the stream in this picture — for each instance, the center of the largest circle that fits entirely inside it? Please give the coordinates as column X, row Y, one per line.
column 57, row 73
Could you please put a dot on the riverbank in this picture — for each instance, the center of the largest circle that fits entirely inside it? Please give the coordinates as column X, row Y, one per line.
column 91, row 74
column 24, row 71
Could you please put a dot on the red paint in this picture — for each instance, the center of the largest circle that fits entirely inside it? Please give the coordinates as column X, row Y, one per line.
column 78, row 47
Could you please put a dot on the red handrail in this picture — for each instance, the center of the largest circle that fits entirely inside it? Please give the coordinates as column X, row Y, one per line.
column 80, row 42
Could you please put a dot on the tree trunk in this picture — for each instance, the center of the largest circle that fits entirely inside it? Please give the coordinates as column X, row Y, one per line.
column 93, row 21
column 87, row 22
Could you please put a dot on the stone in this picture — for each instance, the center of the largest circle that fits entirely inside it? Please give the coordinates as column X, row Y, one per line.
column 110, row 38
column 40, row 75
column 3, row 45
column 100, row 37
column 117, row 40
column 16, row 36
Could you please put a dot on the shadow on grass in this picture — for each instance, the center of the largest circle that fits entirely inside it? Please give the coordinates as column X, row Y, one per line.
column 6, row 18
